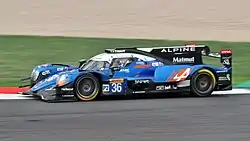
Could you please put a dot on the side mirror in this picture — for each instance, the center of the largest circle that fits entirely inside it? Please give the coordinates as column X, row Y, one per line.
column 82, row 61
column 205, row 51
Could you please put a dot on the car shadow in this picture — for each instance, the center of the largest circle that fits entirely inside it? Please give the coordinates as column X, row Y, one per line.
column 153, row 96
column 136, row 97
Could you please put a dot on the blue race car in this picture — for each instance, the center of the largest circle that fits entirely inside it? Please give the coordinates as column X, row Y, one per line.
column 136, row 70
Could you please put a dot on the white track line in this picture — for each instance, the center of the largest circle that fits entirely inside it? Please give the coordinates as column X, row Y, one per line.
column 231, row 92
column 14, row 96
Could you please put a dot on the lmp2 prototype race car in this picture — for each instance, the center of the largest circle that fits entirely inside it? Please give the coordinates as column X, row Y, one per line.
column 135, row 70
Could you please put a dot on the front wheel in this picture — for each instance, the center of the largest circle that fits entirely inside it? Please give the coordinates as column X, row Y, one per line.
column 203, row 83
column 87, row 87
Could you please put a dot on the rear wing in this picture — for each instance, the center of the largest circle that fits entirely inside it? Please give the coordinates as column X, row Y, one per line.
column 225, row 56
column 187, row 54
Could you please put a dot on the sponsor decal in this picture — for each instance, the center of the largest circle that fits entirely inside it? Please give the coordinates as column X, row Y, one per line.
column 117, row 51
column 119, row 80
column 160, row 88
column 222, row 78
column 124, row 70
column 105, row 88
column 46, row 72
column 225, row 78
column 140, row 63
column 141, row 66
column 226, row 57
column 60, row 69
column 180, row 75
column 170, row 87
column 113, row 88
column 67, row 89
column 116, row 87
column 156, row 64
column 166, row 87
column 221, row 71
column 142, row 81
column 178, row 49
column 53, row 77
column 226, row 62
column 183, row 60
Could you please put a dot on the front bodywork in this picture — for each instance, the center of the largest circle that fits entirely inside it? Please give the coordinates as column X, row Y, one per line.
column 44, row 71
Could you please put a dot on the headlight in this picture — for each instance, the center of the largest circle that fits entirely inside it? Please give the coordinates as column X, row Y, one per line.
column 62, row 80
column 34, row 75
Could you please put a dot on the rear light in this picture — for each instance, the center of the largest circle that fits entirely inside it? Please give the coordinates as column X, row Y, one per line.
column 226, row 52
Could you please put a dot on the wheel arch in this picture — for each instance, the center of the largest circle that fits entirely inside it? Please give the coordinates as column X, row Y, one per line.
column 213, row 71
column 96, row 75
column 205, row 67
column 208, row 68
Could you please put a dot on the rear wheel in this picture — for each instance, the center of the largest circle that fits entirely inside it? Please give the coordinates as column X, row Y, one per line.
column 203, row 83
column 87, row 87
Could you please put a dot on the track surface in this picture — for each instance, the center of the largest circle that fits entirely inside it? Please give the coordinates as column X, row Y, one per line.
column 218, row 118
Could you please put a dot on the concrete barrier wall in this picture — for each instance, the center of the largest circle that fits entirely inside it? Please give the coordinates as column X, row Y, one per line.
column 169, row 19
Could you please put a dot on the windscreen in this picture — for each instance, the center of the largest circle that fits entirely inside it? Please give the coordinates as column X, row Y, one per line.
column 122, row 62
column 94, row 65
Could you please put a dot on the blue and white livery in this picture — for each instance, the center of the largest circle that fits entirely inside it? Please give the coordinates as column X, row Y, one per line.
column 124, row 71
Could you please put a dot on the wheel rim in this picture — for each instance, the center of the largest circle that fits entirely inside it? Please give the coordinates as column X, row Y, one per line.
column 203, row 83
column 86, row 88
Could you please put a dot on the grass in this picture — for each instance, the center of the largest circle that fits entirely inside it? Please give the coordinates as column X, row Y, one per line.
column 19, row 54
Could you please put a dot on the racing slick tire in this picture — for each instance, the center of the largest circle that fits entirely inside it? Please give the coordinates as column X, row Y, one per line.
column 87, row 88
column 202, row 83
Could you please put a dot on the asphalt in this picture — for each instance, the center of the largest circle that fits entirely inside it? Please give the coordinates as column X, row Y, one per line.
column 218, row 118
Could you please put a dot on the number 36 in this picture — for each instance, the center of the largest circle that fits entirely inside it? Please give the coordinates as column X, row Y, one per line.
column 116, row 87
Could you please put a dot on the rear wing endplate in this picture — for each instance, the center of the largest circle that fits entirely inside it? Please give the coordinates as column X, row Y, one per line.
column 224, row 55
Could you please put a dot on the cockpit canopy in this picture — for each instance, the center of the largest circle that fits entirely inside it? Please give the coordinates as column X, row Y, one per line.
column 107, row 60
